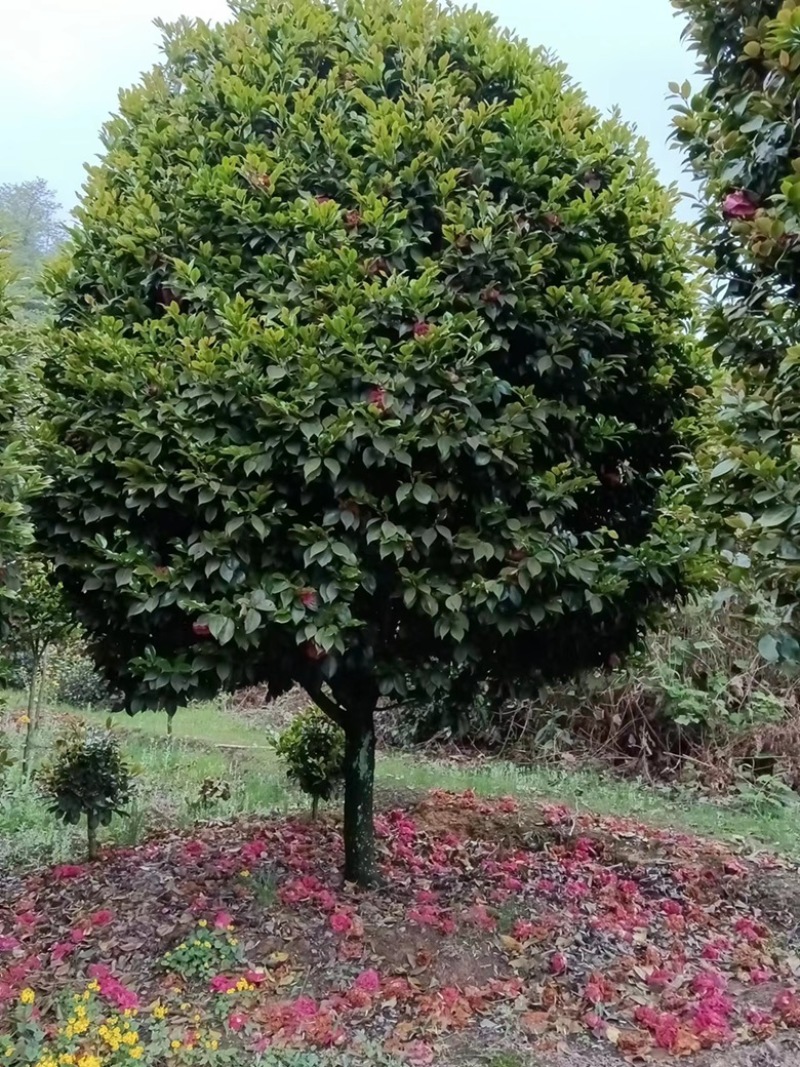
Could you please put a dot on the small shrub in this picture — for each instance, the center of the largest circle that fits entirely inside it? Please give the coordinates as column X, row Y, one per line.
column 75, row 680
column 210, row 793
column 211, row 950
column 313, row 750
column 86, row 777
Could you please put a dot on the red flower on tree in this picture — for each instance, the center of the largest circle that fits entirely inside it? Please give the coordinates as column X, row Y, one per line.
column 739, row 205
column 308, row 598
column 377, row 396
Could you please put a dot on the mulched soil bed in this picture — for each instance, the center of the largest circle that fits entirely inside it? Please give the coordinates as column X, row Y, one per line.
column 532, row 928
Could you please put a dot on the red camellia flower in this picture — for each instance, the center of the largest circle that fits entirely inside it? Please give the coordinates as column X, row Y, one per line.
column 739, row 205
column 377, row 396
column 558, row 963
column 308, row 598
column 314, row 652
column 222, row 920
column 101, row 918
column 67, row 870
column 237, row 1021
column 341, row 923
column 368, row 982
column 60, row 951
column 422, row 329
column 199, row 629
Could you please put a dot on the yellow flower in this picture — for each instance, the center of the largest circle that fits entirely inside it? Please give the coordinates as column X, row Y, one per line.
column 27, row 996
column 23, row 720
column 159, row 1012
column 89, row 1060
column 130, row 1038
column 185, row 1006
column 244, row 874
column 195, row 1018
column 128, row 1012
column 233, row 940
column 93, row 986
column 175, row 1044
column 9, row 1051
column 67, row 1058
column 136, row 1053
column 206, row 944
column 203, row 922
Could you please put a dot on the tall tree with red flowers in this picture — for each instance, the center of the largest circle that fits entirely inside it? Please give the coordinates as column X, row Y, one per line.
column 739, row 132
column 372, row 364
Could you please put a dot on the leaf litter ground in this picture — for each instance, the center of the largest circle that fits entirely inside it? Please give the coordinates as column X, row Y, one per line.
column 574, row 936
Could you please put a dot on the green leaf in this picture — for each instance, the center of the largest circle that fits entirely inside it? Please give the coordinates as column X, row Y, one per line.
column 777, row 516
column 725, row 466
column 252, row 621
column 221, row 627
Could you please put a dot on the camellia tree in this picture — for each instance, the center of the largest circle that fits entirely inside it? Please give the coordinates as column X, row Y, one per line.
column 372, row 361
column 739, row 134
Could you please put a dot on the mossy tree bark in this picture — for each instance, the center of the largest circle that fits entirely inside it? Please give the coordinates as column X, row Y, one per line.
column 359, row 778
column 352, row 706
column 91, row 839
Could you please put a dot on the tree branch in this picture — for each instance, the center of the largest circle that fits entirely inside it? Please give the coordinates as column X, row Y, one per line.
column 313, row 686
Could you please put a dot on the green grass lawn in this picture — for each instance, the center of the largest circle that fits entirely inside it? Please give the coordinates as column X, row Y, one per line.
column 210, row 744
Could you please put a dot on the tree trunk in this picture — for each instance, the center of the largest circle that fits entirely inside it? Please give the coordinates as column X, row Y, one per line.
column 40, row 695
column 314, row 808
column 359, row 776
column 30, row 727
column 91, row 840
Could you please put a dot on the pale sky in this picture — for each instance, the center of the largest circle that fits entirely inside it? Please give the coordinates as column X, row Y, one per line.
column 63, row 61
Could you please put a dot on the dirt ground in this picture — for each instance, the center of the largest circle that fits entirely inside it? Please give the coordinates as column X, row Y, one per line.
column 503, row 936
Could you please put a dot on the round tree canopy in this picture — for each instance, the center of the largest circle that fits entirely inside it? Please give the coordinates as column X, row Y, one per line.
column 372, row 346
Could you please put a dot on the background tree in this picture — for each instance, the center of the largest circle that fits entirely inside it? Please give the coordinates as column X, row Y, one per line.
column 30, row 217
column 384, row 374
column 740, row 136
column 18, row 477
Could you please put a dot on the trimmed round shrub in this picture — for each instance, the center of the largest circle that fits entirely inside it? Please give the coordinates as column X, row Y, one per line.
column 313, row 750
column 86, row 777
column 373, row 356
column 75, row 680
